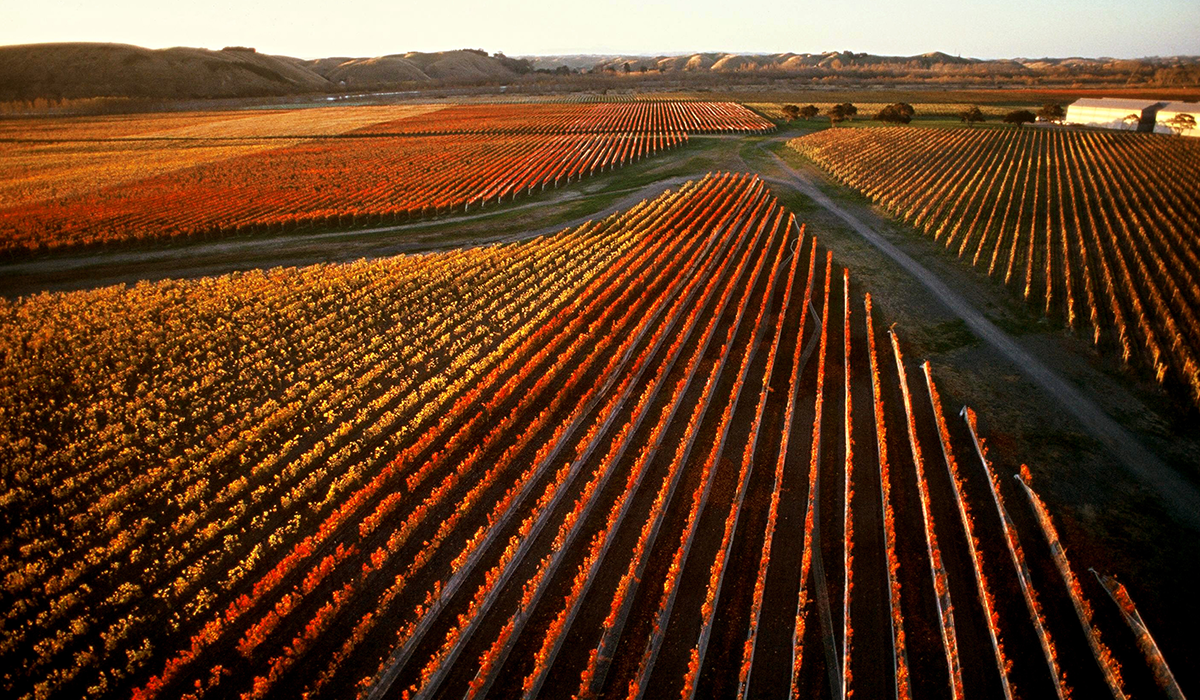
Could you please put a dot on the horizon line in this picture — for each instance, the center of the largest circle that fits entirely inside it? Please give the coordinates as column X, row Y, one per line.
column 638, row 54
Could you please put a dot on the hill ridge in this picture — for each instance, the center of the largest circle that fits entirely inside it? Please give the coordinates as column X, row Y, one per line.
column 78, row 70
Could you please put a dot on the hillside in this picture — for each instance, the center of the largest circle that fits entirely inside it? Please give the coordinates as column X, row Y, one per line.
column 384, row 71
column 1162, row 70
column 117, row 70
column 81, row 70
column 730, row 62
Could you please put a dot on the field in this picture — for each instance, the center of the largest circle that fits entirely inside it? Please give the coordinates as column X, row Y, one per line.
column 678, row 438
column 1096, row 229
column 691, row 116
column 83, row 185
column 307, row 186
column 656, row 434
column 56, row 158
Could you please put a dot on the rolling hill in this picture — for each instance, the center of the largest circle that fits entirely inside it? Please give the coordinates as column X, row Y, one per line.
column 87, row 70
column 848, row 62
column 81, row 70
column 118, row 70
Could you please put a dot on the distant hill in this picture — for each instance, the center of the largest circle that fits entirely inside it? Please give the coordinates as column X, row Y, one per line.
column 118, row 70
column 729, row 62
column 413, row 67
column 834, row 62
column 81, row 70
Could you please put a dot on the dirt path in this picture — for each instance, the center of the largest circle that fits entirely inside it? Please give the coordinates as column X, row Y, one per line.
column 1180, row 496
column 85, row 271
column 636, row 195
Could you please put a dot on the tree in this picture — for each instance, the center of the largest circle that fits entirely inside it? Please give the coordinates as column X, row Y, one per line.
column 849, row 110
column 836, row 113
column 521, row 66
column 1052, row 113
column 1019, row 117
column 809, row 111
column 898, row 113
column 971, row 116
column 627, row 69
column 1181, row 123
column 1132, row 120
column 792, row 112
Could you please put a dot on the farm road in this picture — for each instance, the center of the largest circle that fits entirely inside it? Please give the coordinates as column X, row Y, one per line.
column 87, row 271
column 1182, row 498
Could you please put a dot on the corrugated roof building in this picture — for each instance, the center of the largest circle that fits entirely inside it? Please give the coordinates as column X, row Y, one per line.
column 1114, row 113
column 1170, row 110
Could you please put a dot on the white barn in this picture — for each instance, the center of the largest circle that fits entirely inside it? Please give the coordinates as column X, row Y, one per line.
column 1170, row 110
column 1111, row 113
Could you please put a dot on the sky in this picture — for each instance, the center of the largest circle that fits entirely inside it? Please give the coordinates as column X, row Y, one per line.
column 321, row 28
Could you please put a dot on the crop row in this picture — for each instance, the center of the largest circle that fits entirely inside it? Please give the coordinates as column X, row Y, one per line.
column 1098, row 229
column 601, row 473
column 324, row 184
column 593, row 677
column 41, row 158
column 597, row 117
column 280, row 510
column 475, row 545
column 584, row 502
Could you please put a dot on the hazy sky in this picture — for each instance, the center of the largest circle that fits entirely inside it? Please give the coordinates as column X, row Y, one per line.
column 318, row 28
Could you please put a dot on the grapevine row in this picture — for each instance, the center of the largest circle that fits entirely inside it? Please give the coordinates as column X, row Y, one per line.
column 1080, row 222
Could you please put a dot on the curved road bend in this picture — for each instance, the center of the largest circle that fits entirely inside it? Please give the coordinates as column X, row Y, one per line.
column 85, row 271
column 1180, row 496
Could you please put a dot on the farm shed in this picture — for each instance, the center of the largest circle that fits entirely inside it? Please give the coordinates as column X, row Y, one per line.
column 1110, row 113
column 1169, row 112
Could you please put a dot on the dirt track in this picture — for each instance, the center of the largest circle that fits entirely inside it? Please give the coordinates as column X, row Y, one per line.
column 85, row 271
column 1181, row 496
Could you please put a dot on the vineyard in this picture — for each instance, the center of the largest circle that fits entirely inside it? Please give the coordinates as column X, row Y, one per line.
column 309, row 186
column 677, row 437
column 593, row 117
column 1098, row 229
column 45, row 159
column 85, row 185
